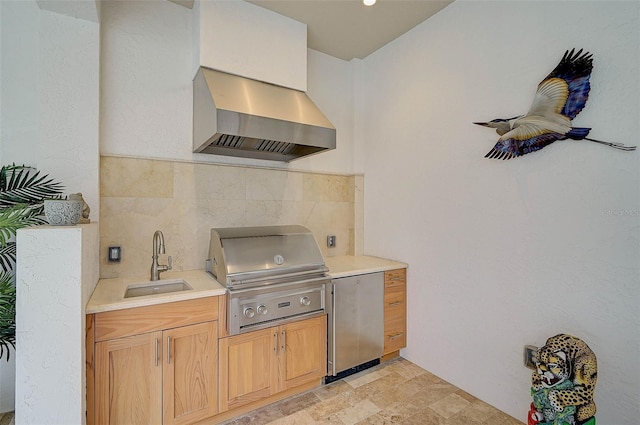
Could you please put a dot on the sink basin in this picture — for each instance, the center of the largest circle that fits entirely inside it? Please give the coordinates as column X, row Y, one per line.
column 156, row 287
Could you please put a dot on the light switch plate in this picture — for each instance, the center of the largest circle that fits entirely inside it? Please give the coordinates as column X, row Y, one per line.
column 114, row 254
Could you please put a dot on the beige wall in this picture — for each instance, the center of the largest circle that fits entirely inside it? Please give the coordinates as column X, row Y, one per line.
column 185, row 200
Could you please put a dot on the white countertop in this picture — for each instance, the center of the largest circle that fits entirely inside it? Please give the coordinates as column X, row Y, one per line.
column 349, row 265
column 109, row 293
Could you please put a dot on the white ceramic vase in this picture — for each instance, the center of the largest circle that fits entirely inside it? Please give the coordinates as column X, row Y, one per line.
column 62, row 212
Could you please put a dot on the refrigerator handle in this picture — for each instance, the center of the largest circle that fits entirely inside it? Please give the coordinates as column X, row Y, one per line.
column 332, row 321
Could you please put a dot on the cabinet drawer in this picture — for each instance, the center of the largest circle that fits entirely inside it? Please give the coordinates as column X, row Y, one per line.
column 393, row 297
column 393, row 341
column 395, row 320
column 394, row 315
column 395, row 278
column 139, row 320
column 394, row 329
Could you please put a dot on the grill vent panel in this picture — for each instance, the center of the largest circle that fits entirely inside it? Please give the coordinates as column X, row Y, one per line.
column 262, row 145
column 230, row 141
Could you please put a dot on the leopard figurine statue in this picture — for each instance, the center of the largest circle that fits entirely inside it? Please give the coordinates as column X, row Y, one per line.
column 563, row 383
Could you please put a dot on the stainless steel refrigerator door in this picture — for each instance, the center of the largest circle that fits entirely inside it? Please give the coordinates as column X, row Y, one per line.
column 356, row 321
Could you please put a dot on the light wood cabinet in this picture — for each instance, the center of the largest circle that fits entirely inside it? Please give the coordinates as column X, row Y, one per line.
column 260, row 364
column 248, row 368
column 129, row 381
column 303, row 352
column 143, row 370
column 162, row 376
column 395, row 310
column 190, row 381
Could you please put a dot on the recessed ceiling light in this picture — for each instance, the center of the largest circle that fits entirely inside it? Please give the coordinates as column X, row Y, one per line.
column 369, row 2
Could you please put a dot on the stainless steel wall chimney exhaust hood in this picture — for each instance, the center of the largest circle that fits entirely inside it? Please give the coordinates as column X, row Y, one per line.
column 237, row 116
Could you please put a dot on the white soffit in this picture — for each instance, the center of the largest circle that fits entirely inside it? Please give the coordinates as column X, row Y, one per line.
column 185, row 3
column 347, row 29
column 89, row 10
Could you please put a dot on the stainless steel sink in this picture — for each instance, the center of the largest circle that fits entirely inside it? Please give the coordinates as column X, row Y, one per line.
column 156, row 287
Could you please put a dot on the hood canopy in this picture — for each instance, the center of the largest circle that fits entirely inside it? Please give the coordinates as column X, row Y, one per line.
column 237, row 116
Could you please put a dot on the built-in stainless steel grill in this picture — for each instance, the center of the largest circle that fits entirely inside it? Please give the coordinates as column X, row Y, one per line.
column 273, row 274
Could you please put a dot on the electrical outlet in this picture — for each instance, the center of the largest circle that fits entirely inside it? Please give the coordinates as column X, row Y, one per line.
column 530, row 352
column 331, row 241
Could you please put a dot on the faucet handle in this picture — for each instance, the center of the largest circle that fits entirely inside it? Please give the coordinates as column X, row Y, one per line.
column 170, row 261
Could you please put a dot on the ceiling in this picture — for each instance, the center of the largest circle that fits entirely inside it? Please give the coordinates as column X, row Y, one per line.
column 347, row 29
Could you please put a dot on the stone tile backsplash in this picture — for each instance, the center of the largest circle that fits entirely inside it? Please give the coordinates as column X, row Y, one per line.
column 185, row 200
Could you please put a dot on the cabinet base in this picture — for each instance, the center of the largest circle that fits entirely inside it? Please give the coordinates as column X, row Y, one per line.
column 225, row 416
column 389, row 356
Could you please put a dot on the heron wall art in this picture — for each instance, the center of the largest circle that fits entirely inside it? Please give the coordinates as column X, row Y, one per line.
column 559, row 98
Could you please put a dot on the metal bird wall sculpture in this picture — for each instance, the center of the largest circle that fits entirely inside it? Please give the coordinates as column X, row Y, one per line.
column 559, row 98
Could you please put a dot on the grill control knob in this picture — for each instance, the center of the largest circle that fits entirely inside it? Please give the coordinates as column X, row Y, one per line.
column 262, row 309
column 305, row 301
column 249, row 313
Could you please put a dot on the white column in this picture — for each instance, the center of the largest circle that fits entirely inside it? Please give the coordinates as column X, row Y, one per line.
column 56, row 274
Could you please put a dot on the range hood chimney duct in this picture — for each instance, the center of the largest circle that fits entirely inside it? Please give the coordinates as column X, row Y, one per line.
column 237, row 116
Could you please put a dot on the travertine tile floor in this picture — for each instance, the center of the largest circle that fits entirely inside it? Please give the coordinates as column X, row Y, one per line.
column 396, row 392
column 7, row 418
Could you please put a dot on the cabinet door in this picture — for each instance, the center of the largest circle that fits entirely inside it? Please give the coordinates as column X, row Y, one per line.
column 303, row 352
column 190, row 372
column 248, row 368
column 129, row 380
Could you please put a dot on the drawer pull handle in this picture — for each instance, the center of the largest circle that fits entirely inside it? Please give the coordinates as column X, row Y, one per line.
column 156, row 351
column 275, row 342
column 395, row 303
column 398, row 335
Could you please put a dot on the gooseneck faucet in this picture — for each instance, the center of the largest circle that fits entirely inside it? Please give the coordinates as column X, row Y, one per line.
column 158, row 248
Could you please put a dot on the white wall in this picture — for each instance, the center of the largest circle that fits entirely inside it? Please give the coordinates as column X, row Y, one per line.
column 237, row 37
column 145, row 84
column 49, row 105
column 49, row 96
column 508, row 253
column 146, row 89
column 330, row 85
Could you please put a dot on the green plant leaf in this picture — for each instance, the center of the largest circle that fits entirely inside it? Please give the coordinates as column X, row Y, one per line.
column 14, row 218
column 22, row 193
column 8, row 256
column 20, row 184
column 7, row 314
